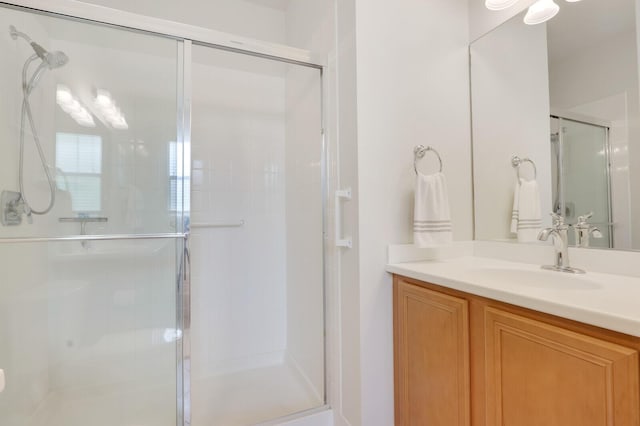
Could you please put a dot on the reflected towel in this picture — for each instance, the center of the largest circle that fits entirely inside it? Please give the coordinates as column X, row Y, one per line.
column 526, row 220
column 431, row 216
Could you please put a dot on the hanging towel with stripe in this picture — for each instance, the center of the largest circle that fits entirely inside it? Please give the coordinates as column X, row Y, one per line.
column 431, row 216
column 526, row 219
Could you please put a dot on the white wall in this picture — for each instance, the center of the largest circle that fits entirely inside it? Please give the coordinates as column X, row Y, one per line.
column 412, row 88
column 510, row 104
column 346, row 375
column 609, row 93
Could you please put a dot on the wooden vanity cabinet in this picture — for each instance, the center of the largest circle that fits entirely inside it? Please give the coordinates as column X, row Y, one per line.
column 464, row 360
column 431, row 341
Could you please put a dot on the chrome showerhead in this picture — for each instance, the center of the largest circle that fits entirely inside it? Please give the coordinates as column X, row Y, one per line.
column 53, row 60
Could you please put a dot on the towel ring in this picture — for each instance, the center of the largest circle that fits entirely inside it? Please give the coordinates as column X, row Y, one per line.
column 516, row 162
column 419, row 152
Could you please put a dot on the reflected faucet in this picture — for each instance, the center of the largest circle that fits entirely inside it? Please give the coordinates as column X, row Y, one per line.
column 584, row 230
column 559, row 235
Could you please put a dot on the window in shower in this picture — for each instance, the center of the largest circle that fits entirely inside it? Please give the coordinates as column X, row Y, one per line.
column 79, row 170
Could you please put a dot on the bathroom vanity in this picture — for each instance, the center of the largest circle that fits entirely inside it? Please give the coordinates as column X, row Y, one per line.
column 488, row 342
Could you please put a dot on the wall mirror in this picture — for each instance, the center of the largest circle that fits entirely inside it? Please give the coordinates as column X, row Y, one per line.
column 565, row 95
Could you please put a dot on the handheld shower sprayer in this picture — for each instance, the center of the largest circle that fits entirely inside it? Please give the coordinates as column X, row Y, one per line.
column 49, row 60
column 53, row 60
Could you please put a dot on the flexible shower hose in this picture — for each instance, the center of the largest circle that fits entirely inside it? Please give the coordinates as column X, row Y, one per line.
column 27, row 88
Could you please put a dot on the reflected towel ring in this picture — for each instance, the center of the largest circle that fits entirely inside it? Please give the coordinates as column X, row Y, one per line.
column 516, row 162
column 419, row 152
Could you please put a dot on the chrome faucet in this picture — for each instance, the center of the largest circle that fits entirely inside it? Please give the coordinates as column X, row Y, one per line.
column 559, row 235
column 584, row 230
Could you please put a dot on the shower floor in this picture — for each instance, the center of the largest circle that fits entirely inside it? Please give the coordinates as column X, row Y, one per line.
column 237, row 399
column 251, row 396
column 117, row 405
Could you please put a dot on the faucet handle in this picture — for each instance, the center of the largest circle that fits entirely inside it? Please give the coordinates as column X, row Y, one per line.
column 558, row 220
column 582, row 220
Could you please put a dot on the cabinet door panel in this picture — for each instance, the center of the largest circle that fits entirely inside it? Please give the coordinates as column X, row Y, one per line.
column 431, row 357
column 539, row 374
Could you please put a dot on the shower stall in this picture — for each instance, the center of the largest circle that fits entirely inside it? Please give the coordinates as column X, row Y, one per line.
column 581, row 177
column 163, row 229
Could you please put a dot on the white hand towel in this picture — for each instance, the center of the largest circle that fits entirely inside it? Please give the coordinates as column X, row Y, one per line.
column 526, row 220
column 431, row 216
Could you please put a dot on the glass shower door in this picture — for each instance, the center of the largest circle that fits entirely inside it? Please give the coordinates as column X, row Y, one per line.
column 584, row 177
column 89, row 330
column 257, row 342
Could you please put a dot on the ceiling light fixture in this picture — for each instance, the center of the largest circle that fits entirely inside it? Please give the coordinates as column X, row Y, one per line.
column 541, row 11
column 499, row 4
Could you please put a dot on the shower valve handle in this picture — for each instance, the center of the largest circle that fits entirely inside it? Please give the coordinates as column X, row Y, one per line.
column 20, row 207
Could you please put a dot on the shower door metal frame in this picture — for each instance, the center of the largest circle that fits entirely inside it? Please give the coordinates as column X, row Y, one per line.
column 161, row 27
column 183, row 280
column 186, row 36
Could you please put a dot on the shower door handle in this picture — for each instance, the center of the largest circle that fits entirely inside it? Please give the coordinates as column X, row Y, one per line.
column 341, row 194
column 2, row 381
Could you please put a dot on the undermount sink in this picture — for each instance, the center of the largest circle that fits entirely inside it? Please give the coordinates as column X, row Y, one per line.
column 536, row 278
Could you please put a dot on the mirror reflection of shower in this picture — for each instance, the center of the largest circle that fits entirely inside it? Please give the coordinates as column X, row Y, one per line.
column 15, row 204
column 580, row 175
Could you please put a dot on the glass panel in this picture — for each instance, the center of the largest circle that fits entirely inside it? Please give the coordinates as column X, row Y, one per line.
column 585, row 179
column 82, row 347
column 257, row 263
column 89, row 333
column 104, row 113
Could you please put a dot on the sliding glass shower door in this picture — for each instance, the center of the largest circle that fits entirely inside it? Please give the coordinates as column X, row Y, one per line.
column 257, row 343
column 117, row 148
column 90, row 241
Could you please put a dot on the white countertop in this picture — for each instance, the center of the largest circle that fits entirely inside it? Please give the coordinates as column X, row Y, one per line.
column 604, row 300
